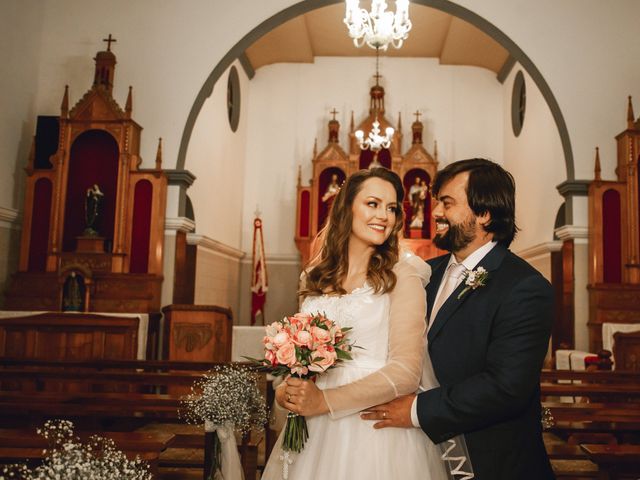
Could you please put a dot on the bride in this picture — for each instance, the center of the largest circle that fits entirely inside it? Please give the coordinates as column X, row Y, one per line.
column 360, row 281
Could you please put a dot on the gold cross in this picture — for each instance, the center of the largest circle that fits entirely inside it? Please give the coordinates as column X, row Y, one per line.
column 417, row 115
column 334, row 112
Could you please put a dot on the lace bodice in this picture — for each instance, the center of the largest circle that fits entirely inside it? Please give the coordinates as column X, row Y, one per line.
column 389, row 328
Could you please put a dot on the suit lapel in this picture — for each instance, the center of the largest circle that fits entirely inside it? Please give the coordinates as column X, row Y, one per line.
column 438, row 268
column 490, row 262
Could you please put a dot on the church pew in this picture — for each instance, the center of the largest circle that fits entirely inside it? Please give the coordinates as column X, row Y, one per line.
column 595, row 376
column 19, row 445
column 615, row 461
column 108, row 409
column 101, row 364
column 610, row 391
column 613, row 412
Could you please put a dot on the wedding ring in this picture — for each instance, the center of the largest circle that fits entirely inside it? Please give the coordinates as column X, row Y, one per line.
column 288, row 397
column 384, row 414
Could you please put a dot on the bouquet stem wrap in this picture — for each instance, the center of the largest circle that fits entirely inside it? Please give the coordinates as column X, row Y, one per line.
column 295, row 433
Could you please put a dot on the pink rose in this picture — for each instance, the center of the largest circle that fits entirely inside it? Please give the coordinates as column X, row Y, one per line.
column 268, row 343
column 303, row 338
column 270, row 355
column 286, row 354
column 323, row 358
column 273, row 329
column 304, row 318
column 281, row 338
column 299, row 370
column 320, row 335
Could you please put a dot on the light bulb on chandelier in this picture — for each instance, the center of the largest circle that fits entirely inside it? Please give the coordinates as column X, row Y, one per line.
column 374, row 141
column 378, row 28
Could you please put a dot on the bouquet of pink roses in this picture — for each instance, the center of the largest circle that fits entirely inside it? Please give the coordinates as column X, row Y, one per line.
column 303, row 346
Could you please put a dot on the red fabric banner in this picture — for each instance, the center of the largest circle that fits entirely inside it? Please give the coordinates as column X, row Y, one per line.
column 259, row 280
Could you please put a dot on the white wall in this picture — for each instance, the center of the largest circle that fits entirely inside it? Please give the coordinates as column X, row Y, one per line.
column 536, row 161
column 216, row 156
column 586, row 50
column 21, row 26
column 290, row 104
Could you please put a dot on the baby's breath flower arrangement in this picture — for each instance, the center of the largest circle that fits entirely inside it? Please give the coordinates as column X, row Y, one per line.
column 226, row 396
column 69, row 459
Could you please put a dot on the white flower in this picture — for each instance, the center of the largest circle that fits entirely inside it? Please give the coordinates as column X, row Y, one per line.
column 474, row 279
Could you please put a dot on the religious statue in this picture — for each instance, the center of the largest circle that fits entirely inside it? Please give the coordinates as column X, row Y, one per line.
column 92, row 210
column 417, row 195
column 333, row 188
column 73, row 293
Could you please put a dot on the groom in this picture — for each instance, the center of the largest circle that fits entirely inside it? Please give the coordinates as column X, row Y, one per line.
column 488, row 333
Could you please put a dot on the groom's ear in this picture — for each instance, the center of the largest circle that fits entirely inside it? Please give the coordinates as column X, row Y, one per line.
column 484, row 220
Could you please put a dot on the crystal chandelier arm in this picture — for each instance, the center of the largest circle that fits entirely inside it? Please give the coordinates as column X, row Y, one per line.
column 378, row 28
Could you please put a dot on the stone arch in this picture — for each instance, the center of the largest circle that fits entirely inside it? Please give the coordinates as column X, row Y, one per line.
column 444, row 5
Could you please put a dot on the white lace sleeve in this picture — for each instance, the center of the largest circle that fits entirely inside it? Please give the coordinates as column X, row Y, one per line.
column 401, row 374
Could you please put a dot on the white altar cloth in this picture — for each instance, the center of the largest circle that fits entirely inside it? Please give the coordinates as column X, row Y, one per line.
column 247, row 342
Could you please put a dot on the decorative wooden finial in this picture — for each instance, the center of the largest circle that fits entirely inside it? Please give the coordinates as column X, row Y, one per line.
column 435, row 150
column 32, row 157
column 334, row 112
column 399, row 122
column 129, row 105
column 630, row 115
column 109, row 41
column 417, row 115
column 597, row 169
column 352, row 126
column 299, row 175
column 159, row 155
column 315, row 147
column 64, row 107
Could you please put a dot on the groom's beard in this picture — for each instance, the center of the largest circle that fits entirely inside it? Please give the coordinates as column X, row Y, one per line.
column 457, row 236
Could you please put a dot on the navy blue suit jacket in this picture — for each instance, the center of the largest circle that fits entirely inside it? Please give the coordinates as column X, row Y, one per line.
column 487, row 350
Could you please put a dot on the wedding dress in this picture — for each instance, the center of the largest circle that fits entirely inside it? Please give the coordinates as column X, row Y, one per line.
column 390, row 328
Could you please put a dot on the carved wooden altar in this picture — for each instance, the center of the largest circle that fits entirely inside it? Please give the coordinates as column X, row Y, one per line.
column 614, row 238
column 93, row 229
column 333, row 164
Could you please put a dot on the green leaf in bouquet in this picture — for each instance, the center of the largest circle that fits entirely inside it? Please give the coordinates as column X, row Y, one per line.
column 343, row 355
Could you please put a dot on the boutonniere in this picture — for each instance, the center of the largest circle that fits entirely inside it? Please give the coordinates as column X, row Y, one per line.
column 474, row 279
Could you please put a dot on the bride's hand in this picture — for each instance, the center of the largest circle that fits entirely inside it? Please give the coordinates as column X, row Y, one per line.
column 303, row 397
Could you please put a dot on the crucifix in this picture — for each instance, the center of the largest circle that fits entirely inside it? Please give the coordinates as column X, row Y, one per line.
column 109, row 40
column 417, row 115
column 334, row 113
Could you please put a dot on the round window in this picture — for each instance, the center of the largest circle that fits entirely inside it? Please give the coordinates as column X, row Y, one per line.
column 518, row 103
column 233, row 98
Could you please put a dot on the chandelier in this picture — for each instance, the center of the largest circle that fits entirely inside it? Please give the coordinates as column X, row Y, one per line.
column 378, row 28
column 375, row 142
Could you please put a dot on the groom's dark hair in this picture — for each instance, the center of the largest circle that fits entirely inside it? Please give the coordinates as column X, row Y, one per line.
column 490, row 189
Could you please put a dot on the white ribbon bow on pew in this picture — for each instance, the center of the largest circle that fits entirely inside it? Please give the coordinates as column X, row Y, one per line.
column 230, row 459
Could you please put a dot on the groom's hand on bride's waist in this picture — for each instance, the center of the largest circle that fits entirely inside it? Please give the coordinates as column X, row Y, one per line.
column 396, row 413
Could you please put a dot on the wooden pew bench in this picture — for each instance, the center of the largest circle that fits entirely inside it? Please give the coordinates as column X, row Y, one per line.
column 608, row 411
column 613, row 412
column 18, row 445
column 615, row 461
column 108, row 395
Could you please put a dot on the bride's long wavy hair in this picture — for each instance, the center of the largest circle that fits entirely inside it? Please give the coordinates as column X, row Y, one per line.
column 328, row 269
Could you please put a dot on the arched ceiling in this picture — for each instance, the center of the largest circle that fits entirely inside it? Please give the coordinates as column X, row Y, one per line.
column 321, row 32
